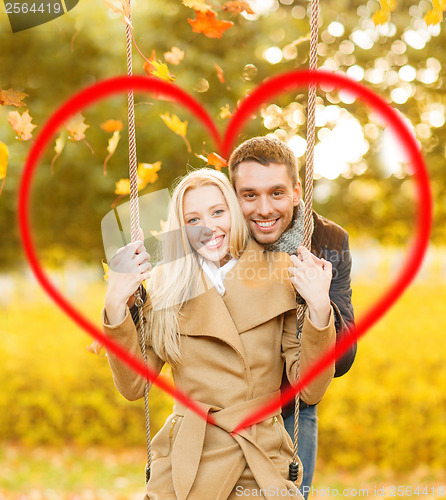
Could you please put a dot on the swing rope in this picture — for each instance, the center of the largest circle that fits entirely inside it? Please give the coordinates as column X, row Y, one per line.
column 134, row 227
column 308, row 198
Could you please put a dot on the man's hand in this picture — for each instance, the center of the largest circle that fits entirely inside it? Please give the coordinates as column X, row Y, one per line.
column 311, row 277
column 128, row 269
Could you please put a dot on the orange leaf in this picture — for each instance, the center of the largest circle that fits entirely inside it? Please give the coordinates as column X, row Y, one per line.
column 208, row 24
column 4, row 155
column 237, row 6
column 197, row 5
column 76, row 127
column 21, row 124
column 120, row 7
column 175, row 56
column 12, row 97
column 217, row 161
column 220, row 74
column 112, row 125
column 224, row 112
column 148, row 171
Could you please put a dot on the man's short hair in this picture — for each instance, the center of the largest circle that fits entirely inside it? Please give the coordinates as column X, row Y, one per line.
column 264, row 150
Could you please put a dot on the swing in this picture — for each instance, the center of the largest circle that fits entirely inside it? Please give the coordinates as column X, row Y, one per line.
column 308, row 198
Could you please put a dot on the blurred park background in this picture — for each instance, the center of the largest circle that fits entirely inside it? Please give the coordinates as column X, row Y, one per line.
column 65, row 432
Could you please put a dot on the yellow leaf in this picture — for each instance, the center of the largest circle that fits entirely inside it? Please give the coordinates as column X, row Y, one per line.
column 161, row 71
column 199, row 5
column 95, row 348
column 148, row 171
column 433, row 17
column 60, row 143
column 12, row 97
column 4, row 155
column 21, row 124
column 122, row 187
column 381, row 17
column 112, row 125
column 224, row 112
column 162, row 226
column 106, row 269
column 113, row 142
column 76, row 127
column 175, row 56
column 175, row 124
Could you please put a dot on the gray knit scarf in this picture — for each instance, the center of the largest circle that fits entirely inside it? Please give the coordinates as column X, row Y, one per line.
column 292, row 237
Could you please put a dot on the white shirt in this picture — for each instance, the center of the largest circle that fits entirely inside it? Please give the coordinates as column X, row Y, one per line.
column 217, row 274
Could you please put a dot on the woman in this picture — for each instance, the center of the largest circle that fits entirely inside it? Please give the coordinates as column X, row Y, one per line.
column 221, row 312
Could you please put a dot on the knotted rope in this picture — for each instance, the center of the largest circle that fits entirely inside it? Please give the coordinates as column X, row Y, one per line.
column 308, row 198
column 134, row 227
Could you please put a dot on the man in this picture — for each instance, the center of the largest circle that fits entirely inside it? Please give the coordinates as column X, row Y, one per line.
column 263, row 171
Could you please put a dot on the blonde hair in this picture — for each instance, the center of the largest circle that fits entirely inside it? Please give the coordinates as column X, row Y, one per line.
column 176, row 278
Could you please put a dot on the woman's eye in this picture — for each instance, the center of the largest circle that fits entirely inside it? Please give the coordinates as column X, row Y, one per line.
column 219, row 212
column 193, row 220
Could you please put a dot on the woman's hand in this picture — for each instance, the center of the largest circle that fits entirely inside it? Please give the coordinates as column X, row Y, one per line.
column 311, row 277
column 128, row 269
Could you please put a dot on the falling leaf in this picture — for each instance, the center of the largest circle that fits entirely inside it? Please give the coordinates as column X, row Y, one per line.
column 122, row 187
column 21, row 124
column 161, row 71
column 4, row 155
column 106, row 268
column 76, row 127
column 162, row 226
column 433, row 17
column 216, row 161
column 111, row 148
column 58, row 148
column 12, row 97
column 220, row 74
column 96, row 348
column 198, row 5
column 121, row 7
column 112, row 125
column 224, row 112
column 177, row 126
column 175, row 56
column 207, row 23
column 382, row 16
column 237, row 6
column 148, row 171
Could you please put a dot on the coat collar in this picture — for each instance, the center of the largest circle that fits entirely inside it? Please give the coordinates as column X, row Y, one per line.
column 257, row 290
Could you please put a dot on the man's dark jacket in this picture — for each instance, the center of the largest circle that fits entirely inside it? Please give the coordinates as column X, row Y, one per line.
column 330, row 242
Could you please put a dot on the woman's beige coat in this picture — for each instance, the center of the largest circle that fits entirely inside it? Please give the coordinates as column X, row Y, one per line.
column 233, row 349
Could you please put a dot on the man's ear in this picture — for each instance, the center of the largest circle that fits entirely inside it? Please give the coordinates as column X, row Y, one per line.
column 297, row 193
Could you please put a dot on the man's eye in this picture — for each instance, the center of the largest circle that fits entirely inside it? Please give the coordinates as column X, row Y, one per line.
column 277, row 193
column 249, row 195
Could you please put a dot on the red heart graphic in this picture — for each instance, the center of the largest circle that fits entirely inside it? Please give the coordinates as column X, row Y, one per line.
column 267, row 90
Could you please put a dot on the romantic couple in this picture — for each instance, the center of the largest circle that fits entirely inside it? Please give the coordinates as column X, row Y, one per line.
column 221, row 311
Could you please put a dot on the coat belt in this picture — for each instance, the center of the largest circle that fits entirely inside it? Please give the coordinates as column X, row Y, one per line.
column 188, row 446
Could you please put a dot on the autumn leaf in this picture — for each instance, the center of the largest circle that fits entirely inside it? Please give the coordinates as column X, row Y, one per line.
column 122, row 187
column 121, row 7
column 216, row 161
column 12, row 97
column 175, row 56
column 382, row 16
column 237, row 6
column 76, row 127
column 106, row 268
column 162, row 226
column 220, row 74
column 112, row 125
column 224, row 112
column 148, row 171
column 4, row 155
column 177, row 126
column 435, row 16
column 111, row 148
column 21, row 124
column 207, row 23
column 58, row 148
column 161, row 71
column 198, row 5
